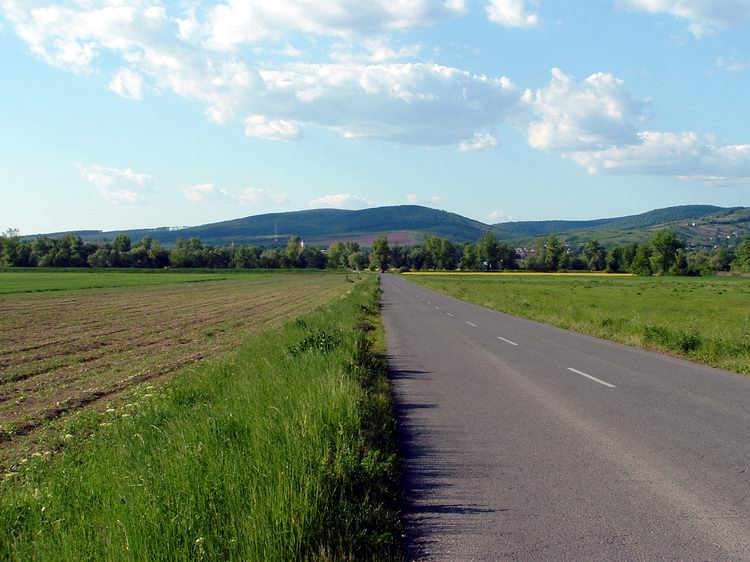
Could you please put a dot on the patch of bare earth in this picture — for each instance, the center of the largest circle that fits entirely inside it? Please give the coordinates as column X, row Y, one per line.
column 62, row 352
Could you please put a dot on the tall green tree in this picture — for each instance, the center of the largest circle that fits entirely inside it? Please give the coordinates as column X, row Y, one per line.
column 680, row 265
column 721, row 259
column 432, row 252
column 554, row 250
column 188, row 253
column 595, row 255
column 628, row 253
column 742, row 256
column 381, row 253
column 488, row 249
column 122, row 243
column 10, row 248
column 664, row 245
column 357, row 261
column 418, row 258
column 293, row 254
column 313, row 258
column 246, row 257
column 614, row 260
column 641, row 264
column 101, row 257
column 335, row 255
column 399, row 256
column 470, row 258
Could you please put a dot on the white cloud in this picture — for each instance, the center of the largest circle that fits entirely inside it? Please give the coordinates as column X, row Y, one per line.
column 279, row 129
column 256, row 196
column 419, row 103
column 593, row 114
column 684, row 155
column 703, row 16
column 74, row 36
column 249, row 196
column 364, row 94
column 478, row 142
column 373, row 51
column 498, row 216
column 732, row 64
column 512, row 13
column 117, row 185
column 596, row 122
column 339, row 201
column 237, row 22
column 127, row 84
column 205, row 192
column 414, row 199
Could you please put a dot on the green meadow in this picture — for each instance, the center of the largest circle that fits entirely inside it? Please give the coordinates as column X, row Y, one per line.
column 36, row 281
column 283, row 450
column 705, row 319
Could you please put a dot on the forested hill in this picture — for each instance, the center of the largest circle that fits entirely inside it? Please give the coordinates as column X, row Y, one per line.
column 405, row 224
column 699, row 225
column 522, row 229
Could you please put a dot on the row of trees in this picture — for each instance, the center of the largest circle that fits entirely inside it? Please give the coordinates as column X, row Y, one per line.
column 71, row 251
column 487, row 254
column 663, row 254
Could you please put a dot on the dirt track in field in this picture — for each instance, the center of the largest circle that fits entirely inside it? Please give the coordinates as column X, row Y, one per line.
column 61, row 352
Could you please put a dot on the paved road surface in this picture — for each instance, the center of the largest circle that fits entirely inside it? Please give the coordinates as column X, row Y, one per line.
column 527, row 442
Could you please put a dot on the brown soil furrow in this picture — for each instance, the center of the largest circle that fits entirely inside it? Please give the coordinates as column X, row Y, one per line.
column 86, row 399
column 75, row 352
column 144, row 321
column 145, row 342
column 115, row 304
column 159, row 314
column 280, row 308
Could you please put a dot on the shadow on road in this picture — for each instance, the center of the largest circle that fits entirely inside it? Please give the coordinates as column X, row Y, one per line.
column 432, row 505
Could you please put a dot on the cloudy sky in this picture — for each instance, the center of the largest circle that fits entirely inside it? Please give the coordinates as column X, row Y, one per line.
column 132, row 113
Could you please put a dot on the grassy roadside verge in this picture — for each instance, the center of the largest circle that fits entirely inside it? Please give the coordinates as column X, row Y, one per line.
column 702, row 319
column 284, row 451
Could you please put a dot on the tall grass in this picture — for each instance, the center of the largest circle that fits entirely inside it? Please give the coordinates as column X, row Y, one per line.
column 704, row 319
column 283, row 452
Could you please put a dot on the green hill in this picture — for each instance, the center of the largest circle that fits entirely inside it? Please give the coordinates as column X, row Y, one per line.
column 530, row 229
column 723, row 227
column 699, row 225
column 406, row 224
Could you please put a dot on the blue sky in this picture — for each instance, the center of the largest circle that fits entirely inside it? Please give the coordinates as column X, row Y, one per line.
column 133, row 113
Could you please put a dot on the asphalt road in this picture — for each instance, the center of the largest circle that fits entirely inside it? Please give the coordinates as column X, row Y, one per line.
column 528, row 442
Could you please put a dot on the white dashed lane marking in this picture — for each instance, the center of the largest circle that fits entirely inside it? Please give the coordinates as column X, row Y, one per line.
column 507, row 341
column 577, row 372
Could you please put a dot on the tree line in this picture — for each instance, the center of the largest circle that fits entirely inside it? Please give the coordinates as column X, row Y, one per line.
column 71, row 251
column 663, row 254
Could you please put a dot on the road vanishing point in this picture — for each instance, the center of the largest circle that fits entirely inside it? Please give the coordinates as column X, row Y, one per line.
column 523, row 441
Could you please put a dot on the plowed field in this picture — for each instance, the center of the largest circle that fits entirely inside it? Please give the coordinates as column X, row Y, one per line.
column 65, row 350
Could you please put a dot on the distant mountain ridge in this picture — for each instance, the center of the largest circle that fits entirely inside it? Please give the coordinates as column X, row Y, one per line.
column 408, row 223
column 520, row 229
column 700, row 225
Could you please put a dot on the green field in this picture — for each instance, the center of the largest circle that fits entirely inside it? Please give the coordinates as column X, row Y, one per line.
column 30, row 281
column 282, row 450
column 13, row 281
column 702, row 319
